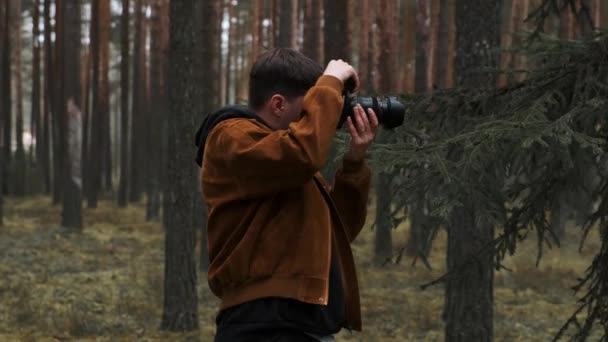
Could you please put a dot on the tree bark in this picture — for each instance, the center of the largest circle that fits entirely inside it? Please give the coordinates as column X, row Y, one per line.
column 409, row 46
column 36, row 130
column 383, row 247
column 158, row 111
column 48, row 98
column 70, row 123
column 287, row 27
column 313, row 42
column 104, row 92
column 6, row 96
column 138, row 93
column 180, row 309
column 124, row 104
column 337, row 29
column 506, row 41
column 422, row 45
column 433, row 44
column 209, row 31
column 445, row 52
column 363, row 48
column 93, row 168
column 19, row 167
column 468, row 310
column 3, row 31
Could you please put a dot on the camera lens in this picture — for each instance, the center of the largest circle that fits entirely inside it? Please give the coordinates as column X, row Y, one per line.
column 389, row 110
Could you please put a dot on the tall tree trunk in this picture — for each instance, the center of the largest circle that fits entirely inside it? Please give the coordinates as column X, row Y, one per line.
column 422, row 45
column 7, row 94
column 158, row 111
column 433, row 44
column 18, row 170
column 364, row 47
column 124, row 105
column 312, row 46
column 288, row 28
column 138, row 93
column 93, row 168
column 36, row 93
column 209, row 101
column 383, row 247
column 180, row 309
column 256, row 28
column 3, row 30
column 104, row 92
column 445, row 52
column 468, row 310
column 506, row 41
column 409, row 45
column 229, row 56
column 337, row 29
column 86, row 122
column 70, row 136
column 603, row 23
column 48, row 99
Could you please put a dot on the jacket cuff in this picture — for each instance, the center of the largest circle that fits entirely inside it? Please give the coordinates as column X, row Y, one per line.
column 330, row 81
column 352, row 166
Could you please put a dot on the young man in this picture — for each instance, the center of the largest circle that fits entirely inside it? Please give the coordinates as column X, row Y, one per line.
column 278, row 235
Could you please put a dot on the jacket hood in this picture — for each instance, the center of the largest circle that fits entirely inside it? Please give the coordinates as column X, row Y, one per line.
column 211, row 120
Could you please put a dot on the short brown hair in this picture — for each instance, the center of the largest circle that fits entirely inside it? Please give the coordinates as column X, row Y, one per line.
column 281, row 71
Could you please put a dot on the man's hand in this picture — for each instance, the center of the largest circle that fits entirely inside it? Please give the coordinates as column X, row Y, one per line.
column 342, row 71
column 362, row 132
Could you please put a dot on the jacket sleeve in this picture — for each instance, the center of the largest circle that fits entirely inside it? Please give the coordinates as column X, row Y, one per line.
column 263, row 163
column 350, row 193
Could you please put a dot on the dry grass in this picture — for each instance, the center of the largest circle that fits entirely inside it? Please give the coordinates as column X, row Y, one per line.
column 106, row 284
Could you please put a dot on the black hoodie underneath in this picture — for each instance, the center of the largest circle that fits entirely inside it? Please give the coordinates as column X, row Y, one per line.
column 272, row 314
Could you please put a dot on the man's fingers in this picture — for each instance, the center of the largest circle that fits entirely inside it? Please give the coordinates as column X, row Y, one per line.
column 351, row 128
column 359, row 119
column 373, row 119
column 365, row 119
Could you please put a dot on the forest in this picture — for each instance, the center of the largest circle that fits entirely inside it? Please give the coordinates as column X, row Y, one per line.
column 488, row 211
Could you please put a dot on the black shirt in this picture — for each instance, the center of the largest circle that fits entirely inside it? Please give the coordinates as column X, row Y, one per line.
column 271, row 314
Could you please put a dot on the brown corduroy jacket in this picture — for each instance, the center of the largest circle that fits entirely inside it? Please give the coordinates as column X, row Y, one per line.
column 272, row 215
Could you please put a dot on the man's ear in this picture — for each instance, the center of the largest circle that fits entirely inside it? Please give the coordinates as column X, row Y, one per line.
column 277, row 104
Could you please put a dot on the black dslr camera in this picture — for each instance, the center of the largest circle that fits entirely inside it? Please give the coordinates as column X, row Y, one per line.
column 389, row 110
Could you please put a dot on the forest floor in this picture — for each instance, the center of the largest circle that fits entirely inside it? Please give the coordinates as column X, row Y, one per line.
column 106, row 283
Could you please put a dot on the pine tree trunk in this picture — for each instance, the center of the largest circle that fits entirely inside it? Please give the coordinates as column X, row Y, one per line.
column 57, row 117
column 157, row 112
column 93, row 168
column 209, row 102
column 48, row 98
column 506, row 41
column 86, row 122
column 604, row 16
column 422, row 45
column 124, row 105
column 468, row 310
column 363, row 48
column 230, row 47
column 433, row 44
column 312, row 30
column 337, row 30
column 286, row 36
column 18, row 170
column 3, row 30
column 409, row 45
column 36, row 93
column 70, row 135
column 383, row 246
column 104, row 92
column 180, row 309
column 445, row 58
column 6, row 96
column 138, row 93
